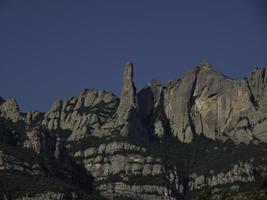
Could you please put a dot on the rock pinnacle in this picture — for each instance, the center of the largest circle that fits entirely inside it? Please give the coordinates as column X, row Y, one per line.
column 128, row 93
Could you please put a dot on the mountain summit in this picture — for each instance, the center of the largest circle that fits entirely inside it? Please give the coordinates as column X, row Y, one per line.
column 201, row 136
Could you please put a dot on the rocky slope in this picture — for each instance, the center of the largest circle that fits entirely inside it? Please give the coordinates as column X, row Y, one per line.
column 202, row 133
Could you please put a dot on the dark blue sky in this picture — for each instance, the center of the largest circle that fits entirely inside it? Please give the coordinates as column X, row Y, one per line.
column 53, row 48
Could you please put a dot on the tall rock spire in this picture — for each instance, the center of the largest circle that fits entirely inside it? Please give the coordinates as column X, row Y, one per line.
column 128, row 93
column 128, row 71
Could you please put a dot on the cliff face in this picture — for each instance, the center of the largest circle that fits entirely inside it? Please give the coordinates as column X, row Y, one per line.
column 205, row 102
column 203, row 132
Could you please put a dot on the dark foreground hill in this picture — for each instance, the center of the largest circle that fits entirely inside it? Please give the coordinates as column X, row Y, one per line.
column 200, row 137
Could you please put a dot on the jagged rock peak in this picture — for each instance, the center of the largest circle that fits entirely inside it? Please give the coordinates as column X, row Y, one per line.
column 259, row 74
column 205, row 64
column 154, row 83
column 56, row 106
column 128, row 71
column 128, row 93
column 9, row 109
column 208, row 70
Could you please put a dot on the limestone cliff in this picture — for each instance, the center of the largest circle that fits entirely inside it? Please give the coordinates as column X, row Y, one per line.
column 204, row 132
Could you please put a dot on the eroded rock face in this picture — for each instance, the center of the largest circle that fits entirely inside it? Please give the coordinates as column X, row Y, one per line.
column 257, row 83
column 205, row 102
column 136, row 191
column 203, row 131
column 126, row 121
column 51, row 195
column 178, row 103
column 219, row 105
column 242, row 172
column 11, row 163
column 151, row 109
column 128, row 94
column 44, row 196
column 9, row 109
column 79, row 115
column 124, row 169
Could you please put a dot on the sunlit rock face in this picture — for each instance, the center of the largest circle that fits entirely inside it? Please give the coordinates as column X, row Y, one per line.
column 9, row 109
column 202, row 132
column 90, row 110
column 206, row 102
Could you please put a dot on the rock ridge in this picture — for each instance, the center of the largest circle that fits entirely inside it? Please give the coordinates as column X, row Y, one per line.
column 202, row 132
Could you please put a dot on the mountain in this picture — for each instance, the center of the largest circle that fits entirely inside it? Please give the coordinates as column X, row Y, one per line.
column 202, row 136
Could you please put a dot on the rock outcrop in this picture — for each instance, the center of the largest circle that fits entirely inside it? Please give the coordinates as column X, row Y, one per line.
column 201, row 133
column 9, row 109
column 128, row 94
column 126, row 121
column 211, row 104
column 79, row 115
column 151, row 109
column 119, row 167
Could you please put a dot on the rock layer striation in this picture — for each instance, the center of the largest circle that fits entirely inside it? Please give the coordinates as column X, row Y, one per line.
column 202, row 132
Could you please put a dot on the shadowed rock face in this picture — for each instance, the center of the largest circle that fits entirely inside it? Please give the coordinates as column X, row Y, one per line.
column 204, row 131
column 257, row 83
column 151, row 109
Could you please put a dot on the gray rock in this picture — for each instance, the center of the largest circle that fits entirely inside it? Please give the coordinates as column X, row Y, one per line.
column 240, row 172
column 9, row 109
column 205, row 102
column 128, row 94
column 89, row 111
column 178, row 103
column 257, row 83
column 110, row 138
column 151, row 108
column 47, row 196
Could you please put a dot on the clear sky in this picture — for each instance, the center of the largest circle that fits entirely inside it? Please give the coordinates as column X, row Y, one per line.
column 53, row 49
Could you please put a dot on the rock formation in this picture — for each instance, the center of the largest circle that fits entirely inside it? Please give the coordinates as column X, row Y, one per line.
column 204, row 133
column 128, row 94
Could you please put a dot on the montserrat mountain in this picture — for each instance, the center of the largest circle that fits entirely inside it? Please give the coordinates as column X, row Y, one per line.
column 202, row 136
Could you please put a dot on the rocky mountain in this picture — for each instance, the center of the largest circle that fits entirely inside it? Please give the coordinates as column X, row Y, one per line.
column 202, row 136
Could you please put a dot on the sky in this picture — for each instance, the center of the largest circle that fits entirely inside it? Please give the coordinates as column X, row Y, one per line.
column 52, row 49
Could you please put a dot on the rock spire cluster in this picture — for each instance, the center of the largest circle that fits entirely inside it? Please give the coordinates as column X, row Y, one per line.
column 202, row 132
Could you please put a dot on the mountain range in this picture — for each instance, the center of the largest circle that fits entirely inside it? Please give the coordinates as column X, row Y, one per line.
column 202, row 136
